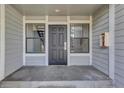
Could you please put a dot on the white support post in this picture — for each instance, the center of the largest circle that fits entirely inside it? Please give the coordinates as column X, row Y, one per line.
column 111, row 40
column 2, row 41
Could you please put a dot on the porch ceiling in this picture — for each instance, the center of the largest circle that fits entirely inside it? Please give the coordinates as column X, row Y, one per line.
column 56, row 9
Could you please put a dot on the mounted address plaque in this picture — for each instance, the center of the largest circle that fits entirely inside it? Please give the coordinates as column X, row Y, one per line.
column 104, row 40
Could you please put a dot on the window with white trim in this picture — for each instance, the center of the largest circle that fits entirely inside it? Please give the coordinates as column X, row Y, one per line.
column 35, row 38
column 79, row 38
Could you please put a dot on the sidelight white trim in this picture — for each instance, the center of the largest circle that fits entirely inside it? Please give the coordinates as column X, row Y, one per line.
column 111, row 40
column 68, row 40
column 46, row 42
column 2, row 42
column 90, row 40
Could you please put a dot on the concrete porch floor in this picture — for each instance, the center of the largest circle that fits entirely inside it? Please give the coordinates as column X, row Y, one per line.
column 57, row 77
column 57, row 73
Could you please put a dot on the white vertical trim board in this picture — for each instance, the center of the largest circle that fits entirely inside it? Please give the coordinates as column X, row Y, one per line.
column 68, row 40
column 2, row 41
column 111, row 40
column 47, row 42
column 90, row 40
column 24, row 40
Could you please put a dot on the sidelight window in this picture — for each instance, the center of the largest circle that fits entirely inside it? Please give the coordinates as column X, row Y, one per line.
column 35, row 38
column 79, row 38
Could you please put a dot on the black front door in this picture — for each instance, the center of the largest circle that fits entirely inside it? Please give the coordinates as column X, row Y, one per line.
column 57, row 45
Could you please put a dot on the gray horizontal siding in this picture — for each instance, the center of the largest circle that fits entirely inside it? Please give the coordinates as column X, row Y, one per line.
column 119, row 45
column 35, row 61
column 79, row 60
column 13, row 40
column 100, row 57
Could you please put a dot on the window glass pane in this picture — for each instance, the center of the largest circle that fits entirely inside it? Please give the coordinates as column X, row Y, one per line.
column 79, row 38
column 79, row 30
column 35, row 30
column 85, row 30
column 35, row 45
column 79, row 46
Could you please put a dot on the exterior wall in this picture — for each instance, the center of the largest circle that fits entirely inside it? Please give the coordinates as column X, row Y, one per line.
column 13, row 40
column 35, row 60
column 41, row 59
column 119, row 45
column 79, row 60
column 100, row 56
